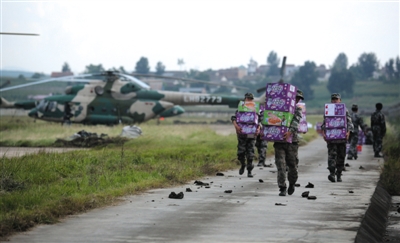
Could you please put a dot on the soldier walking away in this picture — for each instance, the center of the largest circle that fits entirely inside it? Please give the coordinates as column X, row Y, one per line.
column 337, row 148
column 357, row 122
column 245, row 147
column 286, row 154
column 67, row 114
column 261, row 146
column 378, row 125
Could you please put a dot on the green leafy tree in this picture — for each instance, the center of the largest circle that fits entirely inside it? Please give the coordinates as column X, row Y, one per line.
column 38, row 75
column 273, row 62
column 65, row 68
column 160, row 68
column 341, row 62
column 368, row 64
column 198, row 75
column 306, row 76
column 142, row 66
column 122, row 70
column 94, row 68
column 390, row 69
column 341, row 81
column 397, row 72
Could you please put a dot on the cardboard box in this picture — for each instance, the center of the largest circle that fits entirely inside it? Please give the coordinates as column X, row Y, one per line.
column 335, row 109
column 277, row 118
column 280, row 104
column 275, row 133
column 249, row 106
column 335, row 122
column 335, row 134
column 248, row 128
column 283, row 90
column 247, row 117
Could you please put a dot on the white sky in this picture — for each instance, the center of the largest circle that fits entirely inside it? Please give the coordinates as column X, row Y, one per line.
column 205, row 34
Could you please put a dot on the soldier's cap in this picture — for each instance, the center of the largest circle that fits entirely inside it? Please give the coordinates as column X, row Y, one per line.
column 300, row 94
column 335, row 96
column 354, row 106
column 249, row 96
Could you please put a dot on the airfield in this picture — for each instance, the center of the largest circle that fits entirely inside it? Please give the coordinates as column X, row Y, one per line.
column 233, row 208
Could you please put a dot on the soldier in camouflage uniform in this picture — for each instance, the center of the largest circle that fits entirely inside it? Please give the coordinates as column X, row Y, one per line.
column 357, row 122
column 337, row 148
column 378, row 126
column 245, row 147
column 286, row 154
column 261, row 146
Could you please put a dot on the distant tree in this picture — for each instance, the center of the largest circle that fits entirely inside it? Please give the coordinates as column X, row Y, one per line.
column 304, row 78
column 390, row 69
column 357, row 72
column 341, row 81
column 122, row 70
column 22, row 77
column 397, row 72
column 142, row 66
column 160, row 68
column 94, row 68
column 198, row 75
column 65, row 68
column 273, row 62
column 368, row 64
column 341, row 62
column 38, row 75
column 181, row 62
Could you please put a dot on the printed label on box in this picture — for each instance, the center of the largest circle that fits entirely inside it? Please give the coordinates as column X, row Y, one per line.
column 277, row 118
column 275, row 133
column 335, row 122
column 246, row 106
column 247, row 117
column 335, row 109
column 335, row 133
column 280, row 104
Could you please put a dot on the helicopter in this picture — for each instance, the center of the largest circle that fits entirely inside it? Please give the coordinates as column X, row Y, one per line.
column 111, row 98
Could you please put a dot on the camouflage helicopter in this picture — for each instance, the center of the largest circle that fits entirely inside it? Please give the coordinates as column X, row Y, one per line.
column 112, row 98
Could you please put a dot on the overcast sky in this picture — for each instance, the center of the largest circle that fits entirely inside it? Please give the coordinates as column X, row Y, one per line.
column 206, row 34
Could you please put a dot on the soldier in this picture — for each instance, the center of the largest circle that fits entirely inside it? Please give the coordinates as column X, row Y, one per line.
column 245, row 147
column 286, row 154
column 261, row 146
column 378, row 126
column 357, row 122
column 337, row 148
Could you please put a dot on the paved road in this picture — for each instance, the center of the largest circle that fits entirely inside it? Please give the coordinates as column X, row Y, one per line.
column 248, row 214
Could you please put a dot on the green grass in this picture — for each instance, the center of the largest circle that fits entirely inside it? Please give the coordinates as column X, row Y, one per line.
column 44, row 187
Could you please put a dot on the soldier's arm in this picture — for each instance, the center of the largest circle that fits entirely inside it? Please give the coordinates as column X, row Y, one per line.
column 383, row 125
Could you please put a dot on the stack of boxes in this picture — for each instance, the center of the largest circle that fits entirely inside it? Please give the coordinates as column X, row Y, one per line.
column 247, row 117
column 335, row 121
column 280, row 105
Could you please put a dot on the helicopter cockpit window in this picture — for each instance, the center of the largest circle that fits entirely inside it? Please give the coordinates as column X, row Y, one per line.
column 52, row 106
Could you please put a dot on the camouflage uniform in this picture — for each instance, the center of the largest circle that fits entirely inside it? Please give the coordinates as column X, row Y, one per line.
column 357, row 122
column 378, row 126
column 261, row 146
column 286, row 154
column 337, row 151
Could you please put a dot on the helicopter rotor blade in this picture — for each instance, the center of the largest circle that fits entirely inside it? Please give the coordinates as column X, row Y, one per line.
column 8, row 33
column 188, row 80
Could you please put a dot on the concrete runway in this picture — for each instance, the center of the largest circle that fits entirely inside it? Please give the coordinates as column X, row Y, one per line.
column 249, row 214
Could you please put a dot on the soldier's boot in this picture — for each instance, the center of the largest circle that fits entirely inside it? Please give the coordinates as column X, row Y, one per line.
column 355, row 157
column 242, row 167
column 282, row 191
column 331, row 175
column 377, row 155
column 290, row 189
column 250, row 167
column 261, row 163
column 339, row 175
column 349, row 157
